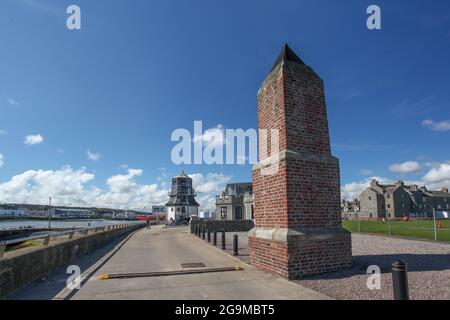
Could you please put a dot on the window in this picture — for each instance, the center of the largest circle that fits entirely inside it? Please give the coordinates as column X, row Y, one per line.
column 223, row 213
column 389, row 206
column 238, row 213
column 388, row 196
column 370, row 198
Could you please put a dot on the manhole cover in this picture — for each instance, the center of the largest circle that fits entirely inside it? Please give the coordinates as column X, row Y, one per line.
column 193, row 265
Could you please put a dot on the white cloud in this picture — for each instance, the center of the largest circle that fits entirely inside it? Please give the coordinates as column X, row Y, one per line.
column 212, row 182
column 33, row 139
column 438, row 175
column 437, row 126
column 208, row 187
column 94, row 156
column 3, row 133
column 212, row 138
column 405, row 167
column 2, row 160
column 13, row 102
column 70, row 187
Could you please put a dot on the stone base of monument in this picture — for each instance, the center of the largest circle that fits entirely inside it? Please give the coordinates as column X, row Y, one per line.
column 294, row 254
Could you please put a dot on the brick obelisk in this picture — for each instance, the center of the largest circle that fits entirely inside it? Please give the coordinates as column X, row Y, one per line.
column 297, row 206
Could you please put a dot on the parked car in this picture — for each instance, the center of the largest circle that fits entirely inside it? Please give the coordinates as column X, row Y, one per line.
column 182, row 222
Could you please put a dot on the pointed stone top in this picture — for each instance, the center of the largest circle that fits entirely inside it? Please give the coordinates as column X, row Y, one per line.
column 287, row 54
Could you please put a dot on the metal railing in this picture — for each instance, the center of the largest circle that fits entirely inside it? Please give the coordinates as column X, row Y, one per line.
column 68, row 234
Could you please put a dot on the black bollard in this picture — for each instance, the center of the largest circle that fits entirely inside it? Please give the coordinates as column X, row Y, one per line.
column 235, row 245
column 215, row 238
column 209, row 236
column 223, row 240
column 203, row 233
column 199, row 231
column 400, row 280
column 196, row 230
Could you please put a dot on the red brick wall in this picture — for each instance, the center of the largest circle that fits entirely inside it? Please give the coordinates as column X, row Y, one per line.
column 301, row 257
column 303, row 193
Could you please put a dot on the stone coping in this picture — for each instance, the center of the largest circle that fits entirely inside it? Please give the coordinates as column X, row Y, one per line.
column 286, row 234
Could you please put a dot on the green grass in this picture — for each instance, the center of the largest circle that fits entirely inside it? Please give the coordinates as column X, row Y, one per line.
column 413, row 228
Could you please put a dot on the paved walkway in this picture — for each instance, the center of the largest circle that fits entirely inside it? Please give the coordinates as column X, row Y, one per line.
column 165, row 250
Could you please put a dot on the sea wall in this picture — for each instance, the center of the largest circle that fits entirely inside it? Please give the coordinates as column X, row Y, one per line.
column 18, row 270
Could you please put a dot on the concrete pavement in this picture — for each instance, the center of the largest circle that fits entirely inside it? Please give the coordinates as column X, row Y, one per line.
column 161, row 249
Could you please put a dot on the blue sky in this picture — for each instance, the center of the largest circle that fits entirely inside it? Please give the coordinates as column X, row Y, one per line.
column 139, row 69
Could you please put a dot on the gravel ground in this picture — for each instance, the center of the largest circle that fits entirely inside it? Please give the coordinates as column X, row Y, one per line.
column 428, row 266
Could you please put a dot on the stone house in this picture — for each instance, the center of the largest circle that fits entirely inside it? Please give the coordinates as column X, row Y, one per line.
column 235, row 202
column 398, row 200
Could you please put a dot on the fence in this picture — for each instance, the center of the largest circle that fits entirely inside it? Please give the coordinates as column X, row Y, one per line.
column 426, row 229
column 222, row 225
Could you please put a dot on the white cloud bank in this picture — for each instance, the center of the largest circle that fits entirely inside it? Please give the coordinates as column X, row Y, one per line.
column 33, row 139
column 70, row 187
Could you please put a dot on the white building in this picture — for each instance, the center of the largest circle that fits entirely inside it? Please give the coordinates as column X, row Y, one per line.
column 13, row 213
column 71, row 213
column 182, row 203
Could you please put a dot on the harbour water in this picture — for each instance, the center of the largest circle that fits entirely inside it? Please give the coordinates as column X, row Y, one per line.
column 16, row 224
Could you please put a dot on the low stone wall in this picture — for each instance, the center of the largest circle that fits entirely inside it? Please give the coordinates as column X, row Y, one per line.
column 222, row 225
column 21, row 269
column 18, row 233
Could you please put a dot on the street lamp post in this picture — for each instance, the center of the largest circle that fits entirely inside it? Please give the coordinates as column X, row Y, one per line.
column 49, row 212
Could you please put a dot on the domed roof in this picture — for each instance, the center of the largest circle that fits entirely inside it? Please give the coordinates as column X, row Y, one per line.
column 182, row 175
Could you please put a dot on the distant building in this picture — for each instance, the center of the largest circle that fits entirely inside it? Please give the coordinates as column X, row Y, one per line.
column 13, row 213
column 235, row 202
column 182, row 203
column 158, row 210
column 207, row 215
column 124, row 215
column 399, row 200
column 350, row 209
column 71, row 213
